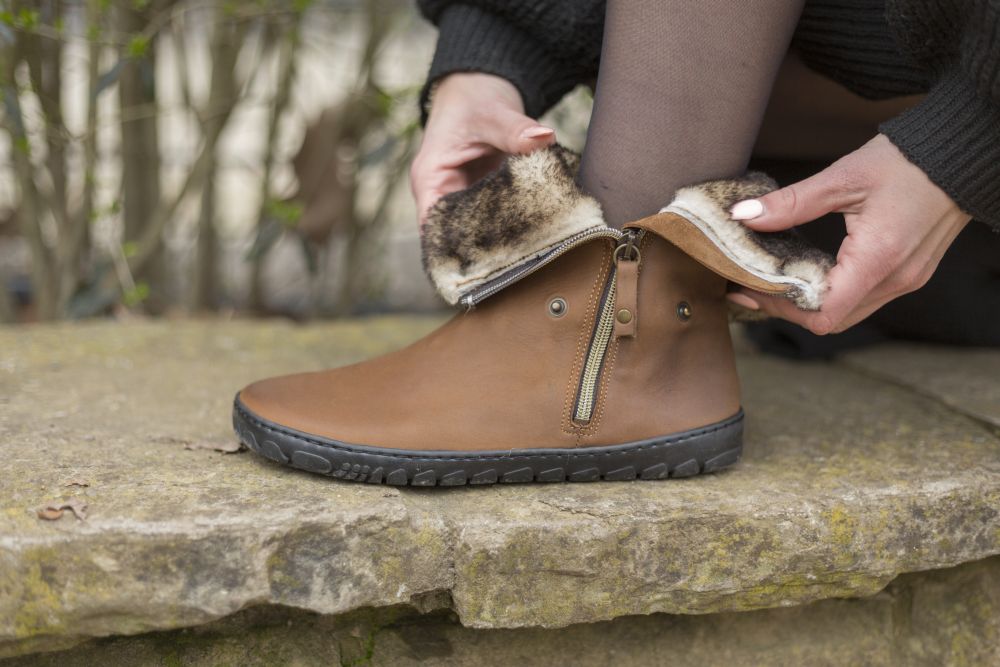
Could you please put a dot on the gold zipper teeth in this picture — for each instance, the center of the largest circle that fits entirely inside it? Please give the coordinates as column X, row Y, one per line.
column 595, row 356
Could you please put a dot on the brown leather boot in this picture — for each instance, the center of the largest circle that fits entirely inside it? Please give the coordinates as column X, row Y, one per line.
column 587, row 353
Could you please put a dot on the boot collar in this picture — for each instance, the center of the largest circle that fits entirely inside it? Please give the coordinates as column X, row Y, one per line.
column 531, row 207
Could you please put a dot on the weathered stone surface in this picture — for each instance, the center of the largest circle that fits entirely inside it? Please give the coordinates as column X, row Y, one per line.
column 966, row 379
column 933, row 619
column 848, row 480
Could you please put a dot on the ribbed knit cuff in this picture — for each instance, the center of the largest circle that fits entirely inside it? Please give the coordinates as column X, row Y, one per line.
column 472, row 40
column 954, row 136
column 849, row 41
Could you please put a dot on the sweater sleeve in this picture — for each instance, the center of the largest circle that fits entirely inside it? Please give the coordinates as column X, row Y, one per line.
column 543, row 48
column 953, row 134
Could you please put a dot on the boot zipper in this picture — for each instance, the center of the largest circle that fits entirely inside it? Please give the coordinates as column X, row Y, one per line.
column 604, row 327
column 520, row 271
column 600, row 339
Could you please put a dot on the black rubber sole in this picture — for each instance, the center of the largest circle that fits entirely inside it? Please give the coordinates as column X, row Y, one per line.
column 701, row 450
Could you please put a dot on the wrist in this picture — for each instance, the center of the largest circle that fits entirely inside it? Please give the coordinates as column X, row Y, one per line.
column 478, row 86
column 952, row 136
column 472, row 39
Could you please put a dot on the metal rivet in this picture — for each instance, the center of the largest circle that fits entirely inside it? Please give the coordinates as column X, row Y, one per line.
column 557, row 307
column 624, row 316
column 684, row 311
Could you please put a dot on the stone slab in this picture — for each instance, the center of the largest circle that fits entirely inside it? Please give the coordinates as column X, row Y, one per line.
column 848, row 481
column 942, row 618
column 966, row 379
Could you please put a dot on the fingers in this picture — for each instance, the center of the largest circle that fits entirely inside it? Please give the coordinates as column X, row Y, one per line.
column 899, row 225
column 431, row 179
column 878, row 270
column 774, row 306
column 513, row 132
column 464, row 141
column 832, row 189
column 743, row 299
column 866, row 277
column 431, row 182
column 852, row 282
column 425, row 199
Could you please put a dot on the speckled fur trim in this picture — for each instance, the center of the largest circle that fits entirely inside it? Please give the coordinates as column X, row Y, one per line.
column 532, row 203
column 511, row 216
column 782, row 257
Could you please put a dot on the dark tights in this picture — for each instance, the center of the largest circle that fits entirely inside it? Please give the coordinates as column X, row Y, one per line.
column 680, row 96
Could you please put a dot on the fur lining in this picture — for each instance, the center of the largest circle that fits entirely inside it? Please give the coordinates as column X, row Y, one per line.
column 778, row 257
column 531, row 204
column 511, row 216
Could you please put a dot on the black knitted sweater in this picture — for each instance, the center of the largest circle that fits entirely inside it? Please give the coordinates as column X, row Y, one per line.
column 949, row 49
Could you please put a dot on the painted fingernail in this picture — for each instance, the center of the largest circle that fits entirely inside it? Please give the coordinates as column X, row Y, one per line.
column 747, row 210
column 741, row 299
column 536, row 132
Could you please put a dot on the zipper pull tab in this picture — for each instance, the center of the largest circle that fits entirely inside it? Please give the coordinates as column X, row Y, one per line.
column 626, row 287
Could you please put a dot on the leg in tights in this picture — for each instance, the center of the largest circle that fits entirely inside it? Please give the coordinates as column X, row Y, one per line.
column 680, row 96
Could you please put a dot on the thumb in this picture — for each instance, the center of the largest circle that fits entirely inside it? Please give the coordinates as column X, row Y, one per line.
column 794, row 205
column 513, row 132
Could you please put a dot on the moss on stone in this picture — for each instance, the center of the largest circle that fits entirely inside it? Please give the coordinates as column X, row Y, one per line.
column 827, row 502
column 37, row 611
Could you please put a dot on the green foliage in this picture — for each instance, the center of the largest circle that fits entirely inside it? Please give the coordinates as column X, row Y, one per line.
column 136, row 295
column 279, row 216
column 138, row 46
column 384, row 102
column 81, row 275
column 365, row 656
column 286, row 212
column 25, row 19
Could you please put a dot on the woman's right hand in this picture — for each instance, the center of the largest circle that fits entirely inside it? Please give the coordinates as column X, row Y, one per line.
column 475, row 121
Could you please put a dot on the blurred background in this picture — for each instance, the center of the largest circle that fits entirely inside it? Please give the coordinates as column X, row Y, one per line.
column 179, row 157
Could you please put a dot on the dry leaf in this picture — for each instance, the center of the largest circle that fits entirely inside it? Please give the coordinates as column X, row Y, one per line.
column 54, row 510
column 228, row 446
column 49, row 513
column 78, row 507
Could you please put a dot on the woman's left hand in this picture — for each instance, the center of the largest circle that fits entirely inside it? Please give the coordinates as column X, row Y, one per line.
column 899, row 225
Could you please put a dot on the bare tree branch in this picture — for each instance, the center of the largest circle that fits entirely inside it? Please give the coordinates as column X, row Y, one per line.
column 287, row 72
column 73, row 242
column 29, row 211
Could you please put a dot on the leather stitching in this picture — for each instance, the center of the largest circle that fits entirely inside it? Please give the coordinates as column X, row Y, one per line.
column 583, row 341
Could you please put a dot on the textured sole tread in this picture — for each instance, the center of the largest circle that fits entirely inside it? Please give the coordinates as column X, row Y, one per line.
column 551, row 475
column 397, row 478
column 687, row 469
column 703, row 450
